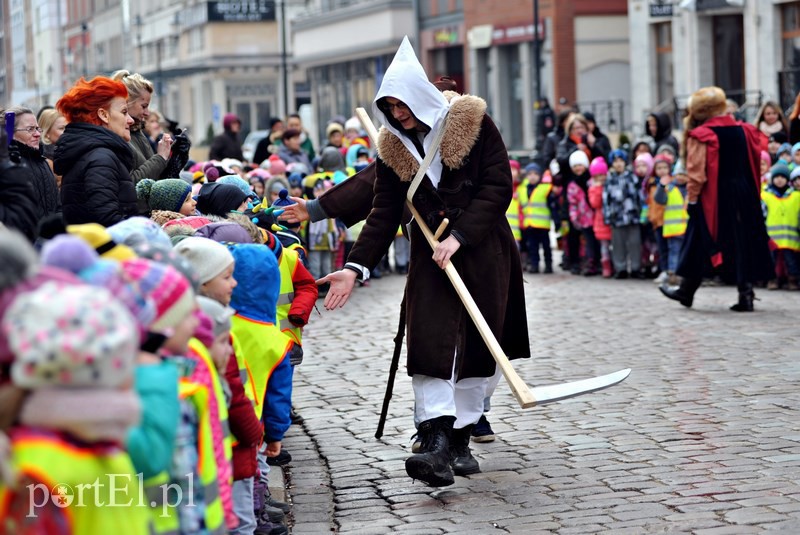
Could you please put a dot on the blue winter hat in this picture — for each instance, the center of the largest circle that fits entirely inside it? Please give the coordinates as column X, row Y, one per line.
column 785, row 147
column 283, row 199
column 795, row 148
column 533, row 166
column 617, row 153
column 780, row 169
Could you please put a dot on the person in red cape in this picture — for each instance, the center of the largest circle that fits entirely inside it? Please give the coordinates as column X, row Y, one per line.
column 726, row 228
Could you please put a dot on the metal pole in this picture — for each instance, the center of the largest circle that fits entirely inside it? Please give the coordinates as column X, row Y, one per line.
column 85, row 30
column 537, row 53
column 538, row 120
column 284, row 68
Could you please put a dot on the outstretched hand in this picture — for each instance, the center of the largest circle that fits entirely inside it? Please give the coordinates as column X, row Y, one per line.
column 342, row 283
column 295, row 213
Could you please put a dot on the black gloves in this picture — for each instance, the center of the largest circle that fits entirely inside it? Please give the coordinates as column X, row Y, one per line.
column 296, row 355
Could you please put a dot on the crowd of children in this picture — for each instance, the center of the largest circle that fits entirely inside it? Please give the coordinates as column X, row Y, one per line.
column 167, row 344
column 630, row 212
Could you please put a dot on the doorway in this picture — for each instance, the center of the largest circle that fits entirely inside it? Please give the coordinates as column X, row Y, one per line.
column 729, row 54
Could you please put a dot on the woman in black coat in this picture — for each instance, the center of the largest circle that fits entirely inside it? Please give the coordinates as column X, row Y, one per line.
column 93, row 154
column 27, row 136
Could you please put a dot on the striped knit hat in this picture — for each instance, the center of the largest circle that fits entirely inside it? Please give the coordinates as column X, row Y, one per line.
column 169, row 291
column 168, row 194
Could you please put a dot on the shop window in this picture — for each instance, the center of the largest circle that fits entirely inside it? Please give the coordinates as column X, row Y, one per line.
column 790, row 35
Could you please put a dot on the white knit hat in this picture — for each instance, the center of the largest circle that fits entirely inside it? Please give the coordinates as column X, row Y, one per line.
column 208, row 258
column 578, row 158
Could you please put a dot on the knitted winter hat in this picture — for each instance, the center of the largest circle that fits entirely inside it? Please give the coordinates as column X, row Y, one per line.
column 73, row 336
column 219, row 199
column 100, row 239
column 795, row 173
column 515, row 165
column 352, row 124
column 331, row 160
column 220, row 314
column 679, row 168
column 780, row 169
column 283, row 199
column 138, row 230
column 167, row 255
column 274, row 244
column 617, row 153
column 666, row 158
column 207, row 257
column 598, row 166
column 170, row 292
column 765, row 157
column 333, row 127
column 276, row 165
column 168, row 194
column 69, row 253
column 224, row 232
column 239, row 182
column 533, row 167
column 647, row 159
column 17, row 259
column 578, row 158
column 785, row 147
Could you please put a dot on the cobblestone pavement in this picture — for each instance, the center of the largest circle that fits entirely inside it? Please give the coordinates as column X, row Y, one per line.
column 703, row 437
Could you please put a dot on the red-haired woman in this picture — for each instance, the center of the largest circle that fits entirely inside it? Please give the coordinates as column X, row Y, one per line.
column 93, row 154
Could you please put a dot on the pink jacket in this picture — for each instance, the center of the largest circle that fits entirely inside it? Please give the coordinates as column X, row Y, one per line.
column 580, row 213
column 601, row 231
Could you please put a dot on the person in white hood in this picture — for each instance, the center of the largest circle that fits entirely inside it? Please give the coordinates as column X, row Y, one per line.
column 469, row 183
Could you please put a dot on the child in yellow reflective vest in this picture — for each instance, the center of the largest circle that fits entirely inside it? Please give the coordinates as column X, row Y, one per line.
column 536, row 200
column 781, row 205
column 76, row 345
column 671, row 193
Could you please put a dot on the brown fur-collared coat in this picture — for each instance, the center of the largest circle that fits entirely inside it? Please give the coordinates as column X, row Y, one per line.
column 474, row 192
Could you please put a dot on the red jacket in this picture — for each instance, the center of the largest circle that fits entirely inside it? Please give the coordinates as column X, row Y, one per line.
column 305, row 295
column 246, row 429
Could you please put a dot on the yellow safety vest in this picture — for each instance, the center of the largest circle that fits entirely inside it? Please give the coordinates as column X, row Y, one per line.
column 675, row 214
column 222, row 407
column 535, row 213
column 259, row 348
column 97, row 487
column 512, row 214
column 288, row 264
column 782, row 219
column 197, row 395
column 163, row 515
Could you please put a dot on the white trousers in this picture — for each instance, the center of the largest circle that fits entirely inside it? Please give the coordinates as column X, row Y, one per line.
column 435, row 397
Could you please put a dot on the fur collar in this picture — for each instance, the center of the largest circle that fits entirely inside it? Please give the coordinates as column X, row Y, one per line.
column 462, row 128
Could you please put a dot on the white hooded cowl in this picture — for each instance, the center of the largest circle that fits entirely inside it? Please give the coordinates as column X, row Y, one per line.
column 405, row 80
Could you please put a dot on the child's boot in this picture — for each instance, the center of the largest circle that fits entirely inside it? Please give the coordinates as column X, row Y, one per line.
column 792, row 285
column 607, row 269
column 773, row 284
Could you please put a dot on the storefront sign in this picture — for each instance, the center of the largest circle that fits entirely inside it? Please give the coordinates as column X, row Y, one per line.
column 504, row 35
column 245, row 11
column 660, row 8
column 446, row 36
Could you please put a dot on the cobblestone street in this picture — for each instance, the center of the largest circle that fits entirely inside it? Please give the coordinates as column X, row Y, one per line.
column 703, row 437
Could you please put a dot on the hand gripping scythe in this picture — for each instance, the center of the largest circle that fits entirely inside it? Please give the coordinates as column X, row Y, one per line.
column 526, row 397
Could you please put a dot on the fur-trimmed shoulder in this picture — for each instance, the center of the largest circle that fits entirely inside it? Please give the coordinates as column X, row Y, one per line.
column 462, row 128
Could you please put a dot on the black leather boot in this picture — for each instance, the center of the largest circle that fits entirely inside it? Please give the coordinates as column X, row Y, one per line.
column 432, row 464
column 746, row 296
column 463, row 462
column 684, row 293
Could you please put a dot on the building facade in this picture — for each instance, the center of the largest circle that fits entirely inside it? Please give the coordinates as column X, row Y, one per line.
column 749, row 48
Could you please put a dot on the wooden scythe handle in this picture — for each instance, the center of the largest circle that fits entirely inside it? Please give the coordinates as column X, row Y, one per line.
column 518, row 387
